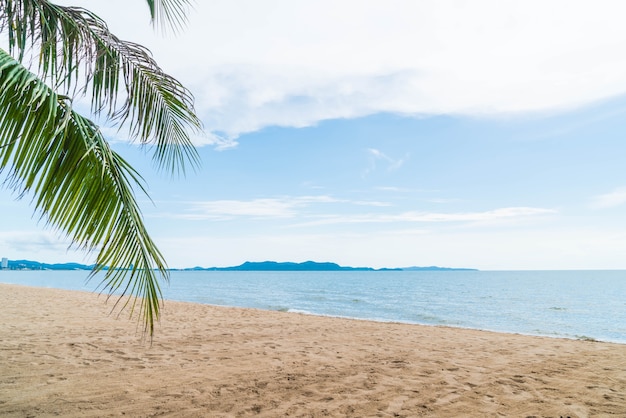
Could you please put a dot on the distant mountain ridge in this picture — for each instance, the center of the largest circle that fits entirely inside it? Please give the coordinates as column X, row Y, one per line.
column 313, row 266
column 287, row 266
column 247, row 266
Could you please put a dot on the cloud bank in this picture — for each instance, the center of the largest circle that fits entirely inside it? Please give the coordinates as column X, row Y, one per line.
column 283, row 63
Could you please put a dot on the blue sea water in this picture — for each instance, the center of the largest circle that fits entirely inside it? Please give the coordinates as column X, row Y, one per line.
column 570, row 304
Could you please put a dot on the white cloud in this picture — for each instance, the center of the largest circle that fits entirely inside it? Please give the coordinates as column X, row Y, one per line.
column 372, row 203
column 342, row 211
column 609, row 200
column 209, row 138
column 219, row 142
column 285, row 207
column 441, row 200
column 227, row 209
column 392, row 189
column 44, row 246
column 29, row 240
column 392, row 163
column 278, row 62
column 508, row 214
column 502, row 213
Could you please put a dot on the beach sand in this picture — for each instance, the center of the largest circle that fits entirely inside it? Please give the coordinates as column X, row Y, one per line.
column 62, row 354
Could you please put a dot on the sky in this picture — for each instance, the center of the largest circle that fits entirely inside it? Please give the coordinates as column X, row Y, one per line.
column 482, row 134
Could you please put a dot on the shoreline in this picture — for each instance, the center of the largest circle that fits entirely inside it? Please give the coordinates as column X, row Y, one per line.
column 62, row 353
column 419, row 324
column 390, row 321
column 374, row 320
column 493, row 302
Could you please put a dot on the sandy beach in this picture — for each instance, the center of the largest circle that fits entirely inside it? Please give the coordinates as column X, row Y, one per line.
column 62, row 354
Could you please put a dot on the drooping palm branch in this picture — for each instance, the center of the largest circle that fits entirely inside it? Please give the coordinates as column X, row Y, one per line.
column 79, row 185
column 156, row 107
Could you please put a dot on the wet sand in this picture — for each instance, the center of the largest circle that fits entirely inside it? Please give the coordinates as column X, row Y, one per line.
column 63, row 354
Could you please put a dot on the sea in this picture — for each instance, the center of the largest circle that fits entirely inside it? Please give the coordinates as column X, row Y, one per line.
column 587, row 305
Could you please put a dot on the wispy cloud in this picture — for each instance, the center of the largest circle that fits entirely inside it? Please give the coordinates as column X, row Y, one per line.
column 26, row 242
column 283, row 207
column 391, row 163
column 302, row 212
column 392, row 189
column 312, row 185
column 609, row 200
column 226, row 209
column 513, row 213
column 218, row 141
column 441, row 200
column 395, row 189
column 370, row 203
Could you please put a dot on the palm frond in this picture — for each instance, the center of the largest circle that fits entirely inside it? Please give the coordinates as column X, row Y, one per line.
column 156, row 108
column 80, row 186
column 170, row 12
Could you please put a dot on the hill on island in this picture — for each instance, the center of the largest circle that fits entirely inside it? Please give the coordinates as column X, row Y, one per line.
column 247, row 266
column 313, row 266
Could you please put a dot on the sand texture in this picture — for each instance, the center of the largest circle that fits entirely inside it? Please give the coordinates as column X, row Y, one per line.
column 62, row 354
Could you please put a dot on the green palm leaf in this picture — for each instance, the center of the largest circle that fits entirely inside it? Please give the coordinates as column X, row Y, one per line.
column 169, row 11
column 156, row 107
column 79, row 185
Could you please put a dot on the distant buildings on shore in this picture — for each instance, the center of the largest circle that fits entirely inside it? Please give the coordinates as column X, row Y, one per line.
column 36, row 265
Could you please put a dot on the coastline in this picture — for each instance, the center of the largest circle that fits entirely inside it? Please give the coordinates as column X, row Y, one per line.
column 62, row 353
column 493, row 301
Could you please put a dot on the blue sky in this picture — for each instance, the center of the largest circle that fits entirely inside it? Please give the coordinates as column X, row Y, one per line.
column 386, row 134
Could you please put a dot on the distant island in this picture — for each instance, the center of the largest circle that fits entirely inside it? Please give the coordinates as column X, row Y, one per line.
column 247, row 266
column 312, row 266
column 287, row 266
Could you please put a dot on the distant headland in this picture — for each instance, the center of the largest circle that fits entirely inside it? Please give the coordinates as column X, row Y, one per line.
column 247, row 266
column 311, row 266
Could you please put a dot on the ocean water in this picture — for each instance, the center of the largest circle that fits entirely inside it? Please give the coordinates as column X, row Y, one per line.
column 570, row 304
